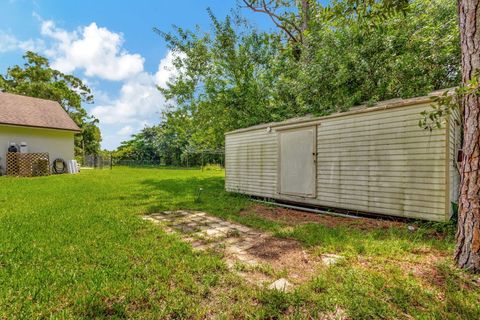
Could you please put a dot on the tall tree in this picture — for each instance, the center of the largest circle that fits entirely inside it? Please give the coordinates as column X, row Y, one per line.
column 225, row 81
column 467, row 99
column 284, row 14
column 293, row 17
column 347, row 60
column 235, row 76
column 37, row 79
column 467, row 252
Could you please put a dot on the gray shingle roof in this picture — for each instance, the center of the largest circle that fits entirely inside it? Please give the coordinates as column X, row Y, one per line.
column 18, row 110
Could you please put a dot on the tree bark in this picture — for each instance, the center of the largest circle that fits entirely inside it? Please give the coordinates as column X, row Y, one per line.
column 467, row 252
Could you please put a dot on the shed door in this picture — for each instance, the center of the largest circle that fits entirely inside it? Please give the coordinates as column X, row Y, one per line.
column 297, row 162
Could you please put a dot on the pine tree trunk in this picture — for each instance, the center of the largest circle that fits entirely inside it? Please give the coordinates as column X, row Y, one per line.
column 467, row 252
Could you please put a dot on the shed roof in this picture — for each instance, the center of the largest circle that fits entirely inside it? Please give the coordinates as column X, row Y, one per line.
column 382, row 105
column 18, row 110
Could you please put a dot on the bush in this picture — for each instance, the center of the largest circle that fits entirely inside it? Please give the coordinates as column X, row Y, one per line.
column 212, row 167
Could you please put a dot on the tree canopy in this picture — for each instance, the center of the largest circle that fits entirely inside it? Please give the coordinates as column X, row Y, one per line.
column 235, row 76
column 37, row 79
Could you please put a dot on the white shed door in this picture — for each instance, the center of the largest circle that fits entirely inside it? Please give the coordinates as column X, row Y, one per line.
column 297, row 162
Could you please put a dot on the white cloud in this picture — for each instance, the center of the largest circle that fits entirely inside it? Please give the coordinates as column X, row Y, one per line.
column 139, row 102
column 98, row 54
column 98, row 51
column 126, row 131
column 9, row 42
column 101, row 97
column 166, row 69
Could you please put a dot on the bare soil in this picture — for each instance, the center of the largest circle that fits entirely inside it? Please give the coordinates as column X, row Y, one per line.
column 293, row 217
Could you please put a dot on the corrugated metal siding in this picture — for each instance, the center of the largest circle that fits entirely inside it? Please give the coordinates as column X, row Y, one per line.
column 382, row 162
column 379, row 162
column 251, row 163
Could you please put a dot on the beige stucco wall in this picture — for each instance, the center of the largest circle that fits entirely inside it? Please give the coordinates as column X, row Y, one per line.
column 58, row 143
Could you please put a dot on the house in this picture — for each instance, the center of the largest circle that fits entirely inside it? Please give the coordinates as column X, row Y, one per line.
column 369, row 159
column 42, row 124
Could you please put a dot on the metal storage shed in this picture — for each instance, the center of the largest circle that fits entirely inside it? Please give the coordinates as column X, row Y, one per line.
column 374, row 160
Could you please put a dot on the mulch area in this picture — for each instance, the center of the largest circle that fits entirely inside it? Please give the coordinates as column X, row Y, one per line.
column 293, row 217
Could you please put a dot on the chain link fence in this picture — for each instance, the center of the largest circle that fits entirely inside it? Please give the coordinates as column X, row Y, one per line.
column 97, row 161
column 187, row 159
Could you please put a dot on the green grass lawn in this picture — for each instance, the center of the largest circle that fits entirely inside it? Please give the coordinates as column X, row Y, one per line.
column 74, row 246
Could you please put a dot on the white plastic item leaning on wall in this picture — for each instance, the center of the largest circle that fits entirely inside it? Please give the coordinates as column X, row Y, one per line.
column 72, row 166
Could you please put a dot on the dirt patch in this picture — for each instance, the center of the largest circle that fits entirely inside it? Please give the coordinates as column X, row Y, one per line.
column 258, row 256
column 293, row 217
column 423, row 265
column 271, row 249
column 285, row 256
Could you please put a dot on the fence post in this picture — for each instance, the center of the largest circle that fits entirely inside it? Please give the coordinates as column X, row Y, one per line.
column 111, row 162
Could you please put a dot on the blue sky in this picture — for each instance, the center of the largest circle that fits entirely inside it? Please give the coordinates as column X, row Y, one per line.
column 110, row 45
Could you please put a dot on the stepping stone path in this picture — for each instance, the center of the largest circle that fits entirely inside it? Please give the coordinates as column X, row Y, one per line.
column 207, row 232
column 281, row 284
column 331, row 259
column 257, row 256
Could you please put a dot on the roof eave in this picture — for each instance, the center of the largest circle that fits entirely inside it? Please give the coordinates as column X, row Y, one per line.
column 78, row 130
column 381, row 105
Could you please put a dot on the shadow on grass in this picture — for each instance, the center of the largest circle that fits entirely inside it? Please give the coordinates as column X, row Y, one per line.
column 203, row 194
column 154, row 166
column 207, row 194
column 192, row 193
